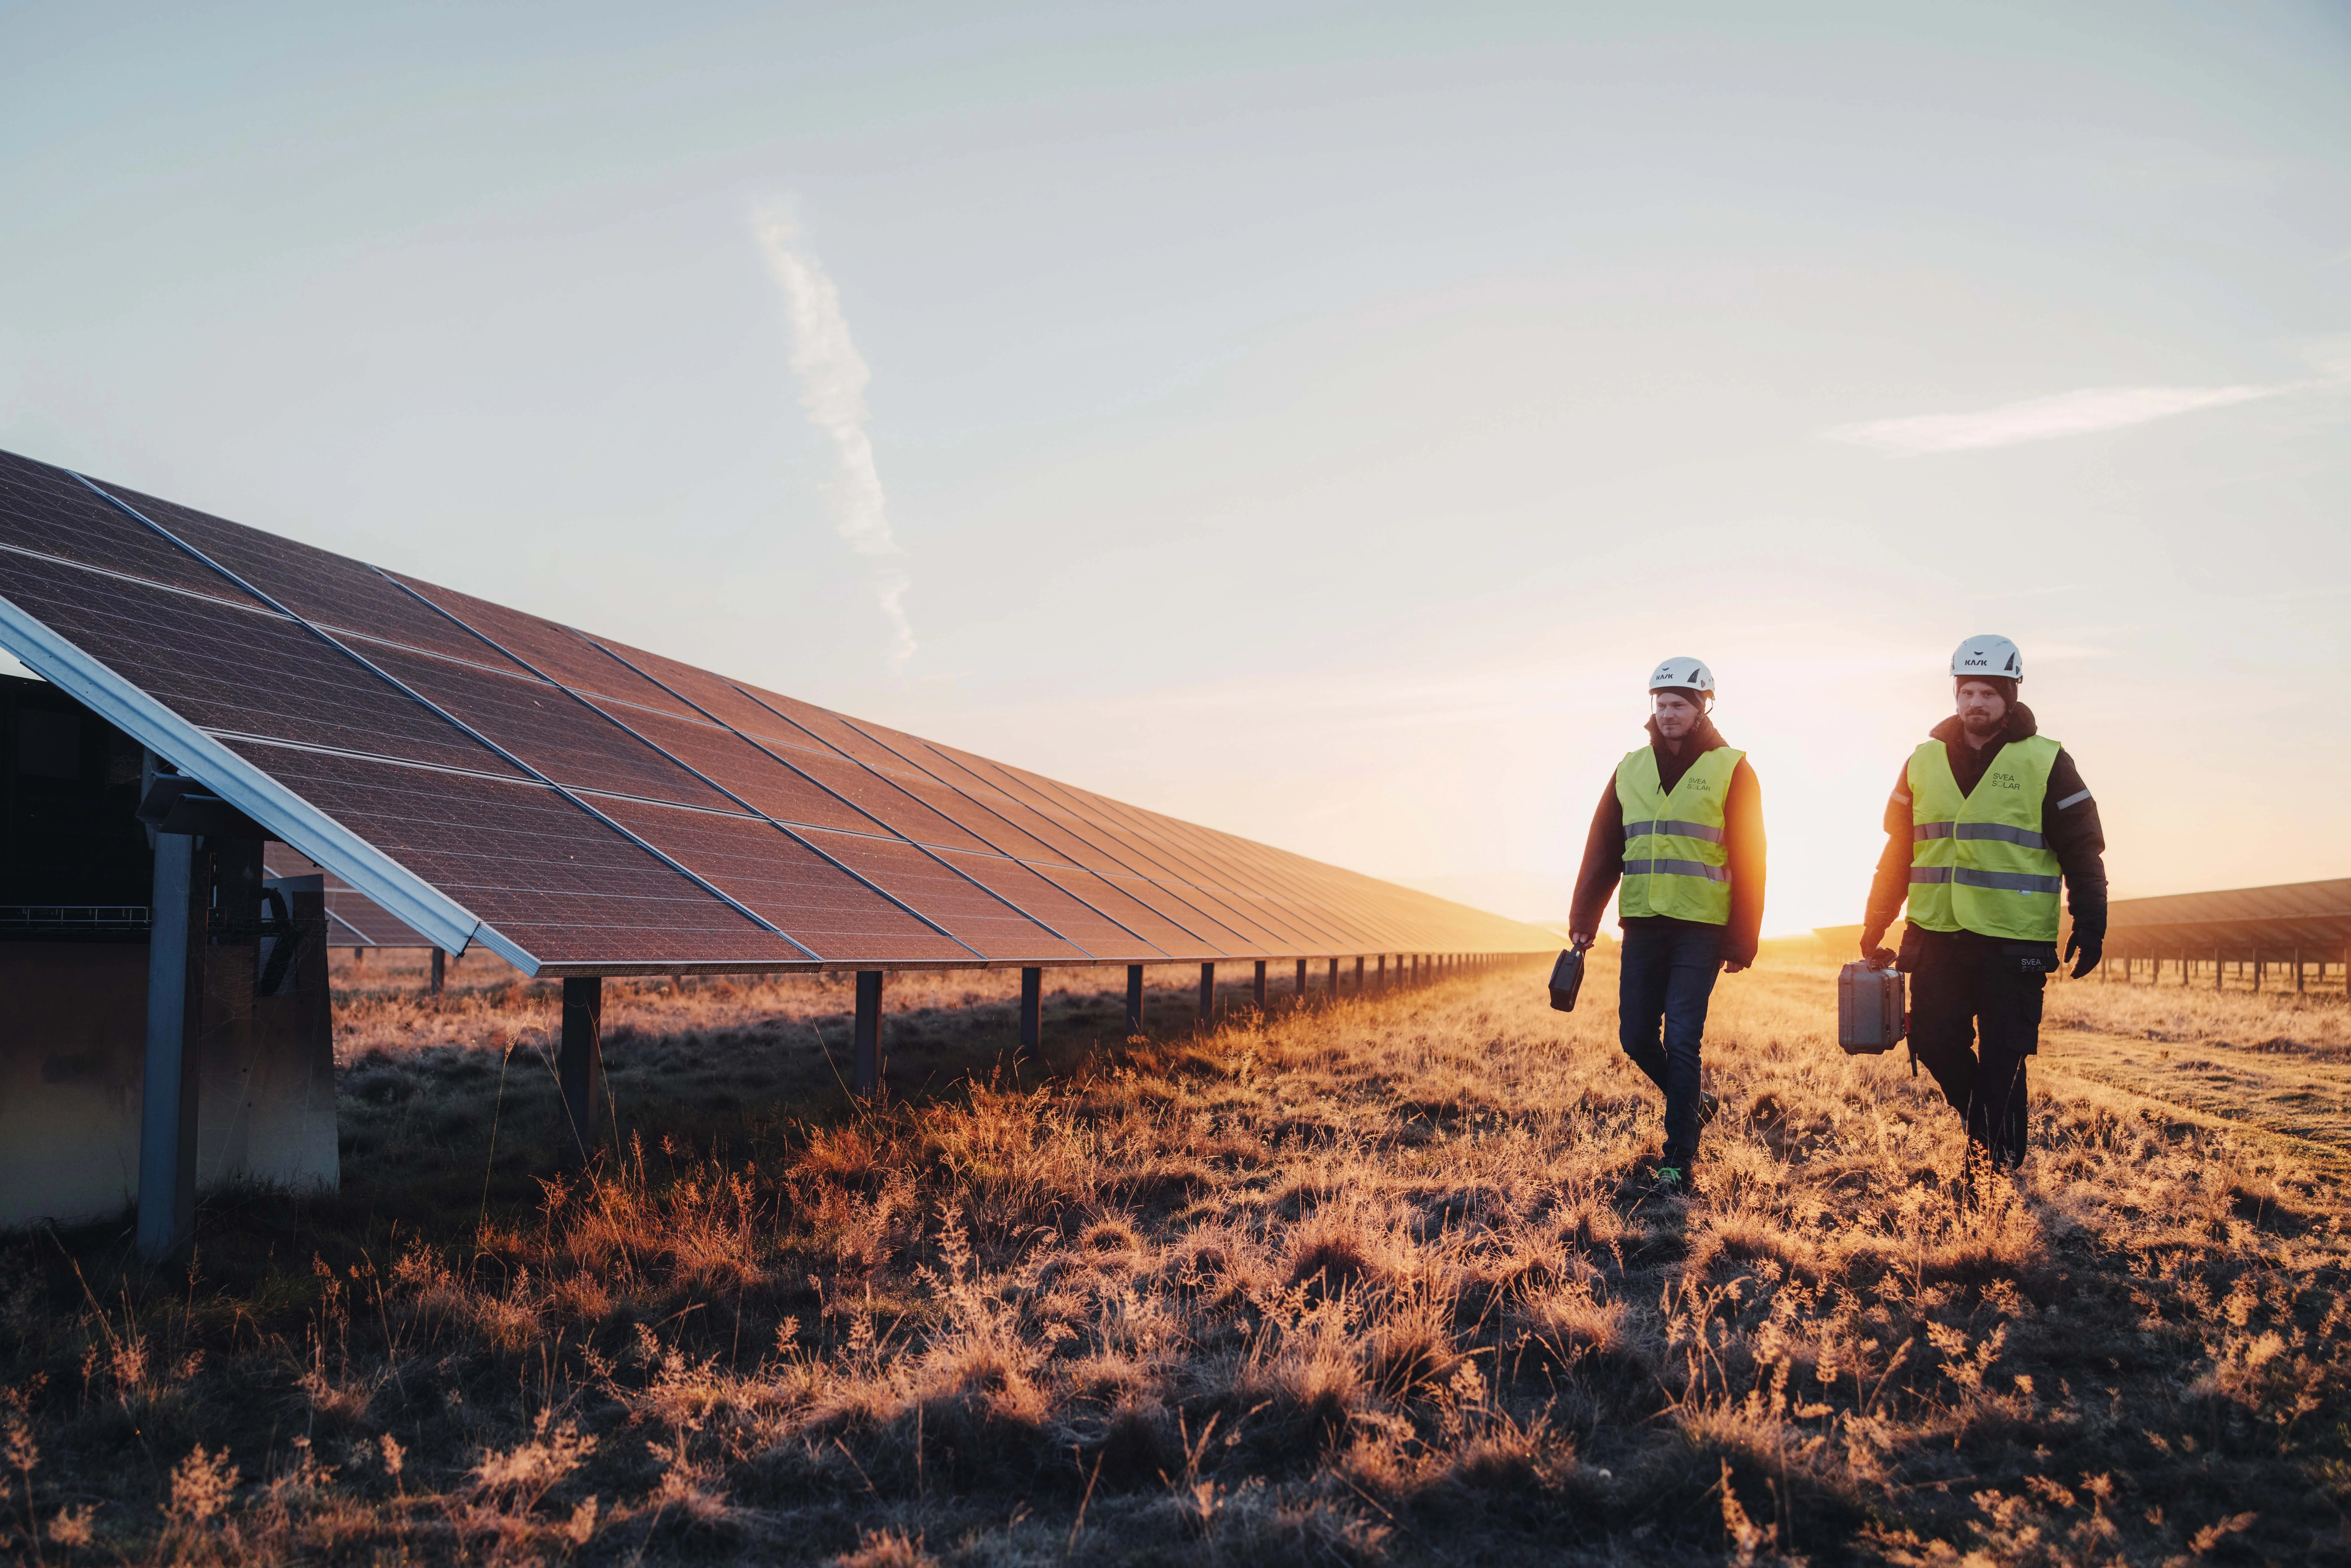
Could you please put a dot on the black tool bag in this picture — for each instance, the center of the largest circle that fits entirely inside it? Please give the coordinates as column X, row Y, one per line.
column 1566, row 979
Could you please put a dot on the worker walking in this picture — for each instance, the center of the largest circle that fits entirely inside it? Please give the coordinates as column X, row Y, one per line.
column 1984, row 820
column 1681, row 825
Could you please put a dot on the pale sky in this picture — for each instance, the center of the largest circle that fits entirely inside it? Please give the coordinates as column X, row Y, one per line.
column 1312, row 421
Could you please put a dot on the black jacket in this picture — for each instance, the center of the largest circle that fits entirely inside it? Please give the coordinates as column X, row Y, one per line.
column 1742, row 844
column 2069, row 825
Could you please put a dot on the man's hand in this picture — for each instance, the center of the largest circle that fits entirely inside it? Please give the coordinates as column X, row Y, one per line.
column 1873, row 951
column 2092, row 948
column 1580, row 940
column 1729, row 968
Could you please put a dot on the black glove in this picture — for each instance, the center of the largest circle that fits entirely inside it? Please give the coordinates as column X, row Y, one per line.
column 1872, row 954
column 2092, row 948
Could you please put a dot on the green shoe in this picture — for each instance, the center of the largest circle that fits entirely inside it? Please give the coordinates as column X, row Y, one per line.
column 1671, row 1181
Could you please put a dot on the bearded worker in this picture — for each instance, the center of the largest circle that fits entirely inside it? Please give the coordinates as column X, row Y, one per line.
column 1681, row 826
column 1986, row 819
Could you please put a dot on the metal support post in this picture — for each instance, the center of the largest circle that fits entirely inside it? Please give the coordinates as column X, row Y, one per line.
column 1334, row 979
column 1208, row 994
column 181, row 899
column 580, row 1065
column 1358, row 974
column 2297, row 971
column 1134, row 998
column 440, row 971
column 2216, row 969
column 1380, row 972
column 865, row 1072
column 1032, row 1009
column 1258, row 986
column 1302, row 982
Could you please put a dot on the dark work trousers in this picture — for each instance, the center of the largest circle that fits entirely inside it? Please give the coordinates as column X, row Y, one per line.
column 1667, row 980
column 1975, row 1020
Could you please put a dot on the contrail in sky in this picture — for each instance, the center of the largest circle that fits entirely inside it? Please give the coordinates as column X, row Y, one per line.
column 832, row 377
column 2042, row 418
column 2082, row 412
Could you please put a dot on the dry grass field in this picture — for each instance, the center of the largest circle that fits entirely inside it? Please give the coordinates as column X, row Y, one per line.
column 1376, row 1280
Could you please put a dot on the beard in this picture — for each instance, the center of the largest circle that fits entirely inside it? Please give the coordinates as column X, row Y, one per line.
column 1981, row 727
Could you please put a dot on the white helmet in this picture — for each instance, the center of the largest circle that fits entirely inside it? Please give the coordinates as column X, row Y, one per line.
column 1988, row 655
column 1687, row 673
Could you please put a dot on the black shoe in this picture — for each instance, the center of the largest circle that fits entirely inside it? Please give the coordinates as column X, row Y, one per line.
column 1709, row 1107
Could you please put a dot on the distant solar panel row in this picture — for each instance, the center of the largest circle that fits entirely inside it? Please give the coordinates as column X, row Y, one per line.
column 584, row 807
column 2312, row 917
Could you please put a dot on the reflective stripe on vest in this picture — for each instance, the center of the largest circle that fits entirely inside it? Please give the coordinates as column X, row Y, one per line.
column 1677, row 868
column 1676, row 830
column 1978, row 861
column 2030, row 840
column 1675, row 862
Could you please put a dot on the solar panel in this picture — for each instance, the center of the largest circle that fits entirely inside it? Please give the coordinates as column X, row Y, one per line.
column 825, row 910
column 974, row 916
column 317, row 585
column 1045, row 900
column 1014, row 827
column 879, row 796
column 49, row 512
column 718, row 700
column 736, row 765
column 547, row 728
column 470, row 772
column 1115, row 903
column 827, row 728
column 560, row 885
column 556, row 653
column 1214, row 938
column 236, row 668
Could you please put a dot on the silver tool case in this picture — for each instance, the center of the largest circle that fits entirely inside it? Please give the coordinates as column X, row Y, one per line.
column 1872, row 1017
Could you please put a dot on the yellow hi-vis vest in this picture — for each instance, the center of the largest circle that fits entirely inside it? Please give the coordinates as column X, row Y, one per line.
column 1674, row 864
column 1977, row 861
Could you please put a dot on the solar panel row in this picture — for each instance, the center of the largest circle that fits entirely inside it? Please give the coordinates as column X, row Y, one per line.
column 2314, row 917
column 588, row 807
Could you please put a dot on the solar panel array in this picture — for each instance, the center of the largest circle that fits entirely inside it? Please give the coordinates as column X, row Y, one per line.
column 2311, row 917
column 585, row 807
